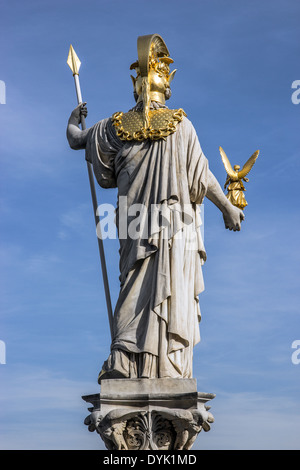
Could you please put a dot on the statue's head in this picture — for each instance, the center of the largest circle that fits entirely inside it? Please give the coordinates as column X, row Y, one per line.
column 236, row 167
column 153, row 76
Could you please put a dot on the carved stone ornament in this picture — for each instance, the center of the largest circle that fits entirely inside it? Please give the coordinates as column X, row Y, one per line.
column 167, row 417
column 149, row 430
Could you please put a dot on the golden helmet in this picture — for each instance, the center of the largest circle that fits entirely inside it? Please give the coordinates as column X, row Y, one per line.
column 153, row 79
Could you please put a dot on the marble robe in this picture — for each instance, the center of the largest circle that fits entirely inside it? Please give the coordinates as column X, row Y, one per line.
column 157, row 315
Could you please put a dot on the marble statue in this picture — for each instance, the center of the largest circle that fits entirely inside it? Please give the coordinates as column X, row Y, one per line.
column 152, row 155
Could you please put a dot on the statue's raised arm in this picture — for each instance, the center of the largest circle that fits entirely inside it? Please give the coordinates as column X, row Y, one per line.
column 77, row 138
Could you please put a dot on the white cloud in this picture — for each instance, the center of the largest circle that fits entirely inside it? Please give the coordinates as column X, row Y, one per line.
column 252, row 421
column 76, row 220
column 43, row 410
column 40, row 263
column 46, row 411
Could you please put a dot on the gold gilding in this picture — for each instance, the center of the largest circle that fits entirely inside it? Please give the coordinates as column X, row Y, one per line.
column 162, row 122
column 73, row 61
column 152, row 83
column 235, row 178
column 153, row 72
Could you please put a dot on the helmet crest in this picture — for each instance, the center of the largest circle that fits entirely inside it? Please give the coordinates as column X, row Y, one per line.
column 153, row 72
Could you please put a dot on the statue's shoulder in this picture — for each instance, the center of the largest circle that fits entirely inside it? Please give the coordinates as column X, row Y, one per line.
column 162, row 123
column 100, row 125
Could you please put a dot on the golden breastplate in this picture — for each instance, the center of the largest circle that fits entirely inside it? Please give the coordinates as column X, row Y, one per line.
column 162, row 122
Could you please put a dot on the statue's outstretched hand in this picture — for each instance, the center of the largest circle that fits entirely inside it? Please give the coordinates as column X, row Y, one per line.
column 233, row 217
column 79, row 111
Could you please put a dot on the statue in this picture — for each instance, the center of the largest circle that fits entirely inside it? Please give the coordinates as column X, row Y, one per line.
column 152, row 155
column 235, row 179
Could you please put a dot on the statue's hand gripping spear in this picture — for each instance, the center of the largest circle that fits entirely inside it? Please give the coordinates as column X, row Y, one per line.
column 74, row 64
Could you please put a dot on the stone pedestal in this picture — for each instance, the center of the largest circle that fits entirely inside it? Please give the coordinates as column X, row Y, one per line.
column 149, row 414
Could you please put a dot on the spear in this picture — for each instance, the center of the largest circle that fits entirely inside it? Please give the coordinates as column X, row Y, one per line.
column 74, row 64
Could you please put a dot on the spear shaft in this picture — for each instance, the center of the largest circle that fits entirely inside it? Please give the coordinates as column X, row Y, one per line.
column 74, row 65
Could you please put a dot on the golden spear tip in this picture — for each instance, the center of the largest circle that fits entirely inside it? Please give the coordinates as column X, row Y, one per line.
column 73, row 61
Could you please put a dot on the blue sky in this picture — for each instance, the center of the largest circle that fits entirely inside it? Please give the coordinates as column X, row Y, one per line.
column 236, row 63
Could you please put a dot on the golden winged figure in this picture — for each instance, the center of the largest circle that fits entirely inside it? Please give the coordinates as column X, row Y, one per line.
column 235, row 179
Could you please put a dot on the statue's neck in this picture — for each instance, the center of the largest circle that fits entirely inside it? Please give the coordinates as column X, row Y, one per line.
column 153, row 105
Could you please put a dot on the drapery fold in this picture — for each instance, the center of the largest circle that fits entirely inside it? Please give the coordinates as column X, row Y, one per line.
column 160, row 187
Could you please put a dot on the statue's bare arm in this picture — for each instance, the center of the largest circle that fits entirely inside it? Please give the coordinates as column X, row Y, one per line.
column 232, row 215
column 76, row 137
